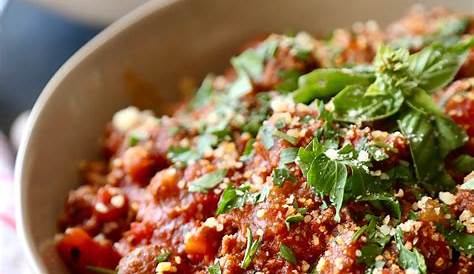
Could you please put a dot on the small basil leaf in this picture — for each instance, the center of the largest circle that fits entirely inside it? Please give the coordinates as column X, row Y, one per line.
column 214, row 269
column 462, row 242
column 282, row 175
column 203, row 94
column 288, row 155
column 409, row 259
column 389, row 200
column 464, row 163
column 287, row 254
column 293, row 219
column 207, row 181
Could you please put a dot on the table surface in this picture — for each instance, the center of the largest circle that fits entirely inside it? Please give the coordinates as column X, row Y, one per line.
column 34, row 43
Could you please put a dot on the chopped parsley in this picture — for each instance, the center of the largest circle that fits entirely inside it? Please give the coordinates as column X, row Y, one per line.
column 293, row 219
column 287, row 254
column 214, row 269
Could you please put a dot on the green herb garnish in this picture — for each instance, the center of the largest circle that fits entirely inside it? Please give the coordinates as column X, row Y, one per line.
column 250, row 250
column 287, row 254
column 207, row 181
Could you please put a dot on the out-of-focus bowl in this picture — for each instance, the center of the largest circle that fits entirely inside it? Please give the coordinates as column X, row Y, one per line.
column 91, row 12
column 140, row 60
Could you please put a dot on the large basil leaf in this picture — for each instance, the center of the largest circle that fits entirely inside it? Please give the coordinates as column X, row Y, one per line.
column 435, row 66
column 352, row 104
column 324, row 83
column 430, row 140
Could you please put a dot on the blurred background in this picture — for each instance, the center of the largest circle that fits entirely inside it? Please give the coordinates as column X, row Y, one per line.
column 36, row 38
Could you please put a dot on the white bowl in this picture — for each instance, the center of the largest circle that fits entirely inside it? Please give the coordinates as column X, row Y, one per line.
column 156, row 45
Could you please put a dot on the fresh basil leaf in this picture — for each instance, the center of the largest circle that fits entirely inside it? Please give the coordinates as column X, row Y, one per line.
column 353, row 104
column 437, row 65
column 282, row 175
column 428, row 148
column 324, row 83
column 227, row 200
column 328, row 177
column 388, row 200
column 289, row 80
column 287, row 254
column 250, row 250
column 214, row 269
column 101, row 270
column 369, row 252
column 464, row 163
column 293, row 219
column 203, row 94
column 163, row 256
column 233, row 197
column 207, row 181
column 409, row 259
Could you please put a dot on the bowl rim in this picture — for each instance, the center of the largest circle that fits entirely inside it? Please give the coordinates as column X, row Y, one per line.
column 137, row 15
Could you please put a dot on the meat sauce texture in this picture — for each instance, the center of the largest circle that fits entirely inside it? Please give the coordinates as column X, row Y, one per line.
column 183, row 193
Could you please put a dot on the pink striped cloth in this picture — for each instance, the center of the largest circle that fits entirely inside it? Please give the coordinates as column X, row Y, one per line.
column 11, row 255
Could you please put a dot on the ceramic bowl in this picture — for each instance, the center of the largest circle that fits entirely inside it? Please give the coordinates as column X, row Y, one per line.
column 140, row 60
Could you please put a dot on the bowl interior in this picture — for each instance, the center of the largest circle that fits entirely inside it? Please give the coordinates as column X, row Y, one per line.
column 140, row 60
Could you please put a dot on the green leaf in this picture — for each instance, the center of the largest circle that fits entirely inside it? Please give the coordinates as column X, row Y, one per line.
column 282, row 175
column 101, row 270
column 429, row 144
column 464, row 163
column 248, row 150
column 241, row 86
column 207, row 181
column 214, row 269
column 469, row 185
column 462, row 242
column 249, row 61
column 203, row 94
column 369, row 252
column 293, row 219
column 437, row 65
column 233, row 197
column 289, row 81
column 290, row 139
column 409, row 259
column 353, row 104
column 328, row 177
column 288, row 155
column 287, row 254
column 324, row 83
column 388, row 200
column 250, row 250
column 227, row 200
column 163, row 256
column 266, row 136
column 183, row 155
